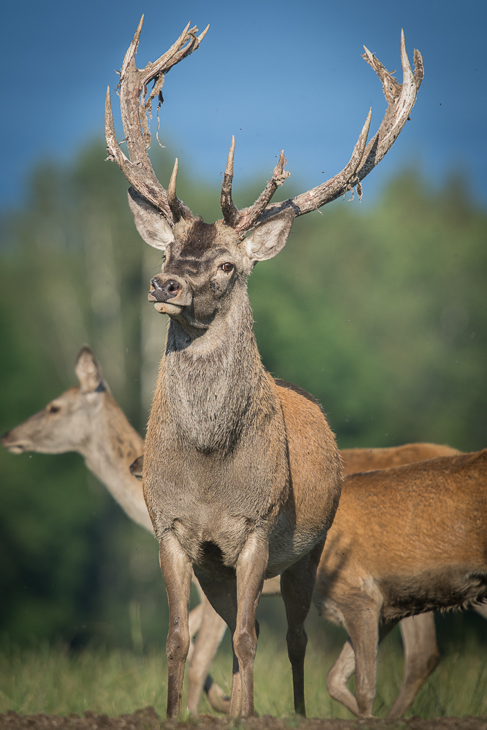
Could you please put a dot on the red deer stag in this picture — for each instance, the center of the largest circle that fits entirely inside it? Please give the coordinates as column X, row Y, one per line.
column 241, row 476
column 405, row 540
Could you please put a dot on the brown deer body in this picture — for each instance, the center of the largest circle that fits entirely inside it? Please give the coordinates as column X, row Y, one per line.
column 241, row 475
column 432, row 518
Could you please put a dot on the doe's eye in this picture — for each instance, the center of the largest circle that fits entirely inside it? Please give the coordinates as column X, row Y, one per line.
column 53, row 409
column 227, row 267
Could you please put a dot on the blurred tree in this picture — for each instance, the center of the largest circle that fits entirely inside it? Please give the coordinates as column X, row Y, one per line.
column 377, row 309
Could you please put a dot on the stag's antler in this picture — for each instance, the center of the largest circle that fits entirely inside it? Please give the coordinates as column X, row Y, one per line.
column 400, row 99
column 138, row 170
column 136, row 110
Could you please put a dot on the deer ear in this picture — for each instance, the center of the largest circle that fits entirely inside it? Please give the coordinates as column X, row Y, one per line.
column 269, row 237
column 88, row 370
column 150, row 223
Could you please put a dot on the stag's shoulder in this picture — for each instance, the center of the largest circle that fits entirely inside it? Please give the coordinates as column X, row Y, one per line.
column 303, row 414
column 313, row 454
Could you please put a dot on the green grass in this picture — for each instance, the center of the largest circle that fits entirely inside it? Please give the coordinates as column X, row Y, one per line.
column 114, row 682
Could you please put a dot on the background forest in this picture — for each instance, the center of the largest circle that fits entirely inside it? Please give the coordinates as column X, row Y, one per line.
column 377, row 308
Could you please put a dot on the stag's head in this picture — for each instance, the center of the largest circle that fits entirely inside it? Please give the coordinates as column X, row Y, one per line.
column 204, row 263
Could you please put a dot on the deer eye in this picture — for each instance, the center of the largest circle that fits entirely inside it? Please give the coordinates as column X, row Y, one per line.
column 227, row 267
column 53, row 409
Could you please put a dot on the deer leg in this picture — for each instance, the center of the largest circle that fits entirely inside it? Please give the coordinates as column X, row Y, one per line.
column 209, row 638
column 339, row 676
column 362, row 624
column 176, row 570
column 297, row 584
column 195, row 619
column 421, row 656
column 251, row 566
column 344, row 667
column 222, row 596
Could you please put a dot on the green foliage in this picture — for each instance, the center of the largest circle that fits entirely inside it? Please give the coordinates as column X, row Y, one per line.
column 377, row 309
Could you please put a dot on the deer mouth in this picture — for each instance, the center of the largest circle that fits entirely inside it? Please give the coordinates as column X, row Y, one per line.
column 167, row 297
column 14, row 448
column 166, row 307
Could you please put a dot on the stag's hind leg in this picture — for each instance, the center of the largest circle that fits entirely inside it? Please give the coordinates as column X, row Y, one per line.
column 297, row 584
column 177, row 572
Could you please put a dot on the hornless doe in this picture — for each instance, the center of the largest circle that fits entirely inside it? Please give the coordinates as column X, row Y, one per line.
column 241, row 476
column 405, row 540
column 88, row 420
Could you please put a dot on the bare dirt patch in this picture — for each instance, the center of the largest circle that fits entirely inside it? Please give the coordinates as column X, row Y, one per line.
column 148, row 719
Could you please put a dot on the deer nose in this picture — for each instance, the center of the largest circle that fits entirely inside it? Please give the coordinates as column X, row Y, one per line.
column 165, row 290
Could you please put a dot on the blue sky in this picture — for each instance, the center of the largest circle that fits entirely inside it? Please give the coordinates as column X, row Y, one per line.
column 276, row 74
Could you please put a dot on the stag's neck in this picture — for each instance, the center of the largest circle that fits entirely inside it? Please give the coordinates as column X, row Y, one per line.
column 112, row 447
column 214, row 383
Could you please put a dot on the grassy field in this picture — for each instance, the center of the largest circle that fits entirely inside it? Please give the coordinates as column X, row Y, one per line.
column 113, row 682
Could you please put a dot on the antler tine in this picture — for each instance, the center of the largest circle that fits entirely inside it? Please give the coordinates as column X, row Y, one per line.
column 400, row 99
column 231, row 214
column 249, row 216
column 178, row 208
column 243, row 220
column 135, row 110
column 132, row 49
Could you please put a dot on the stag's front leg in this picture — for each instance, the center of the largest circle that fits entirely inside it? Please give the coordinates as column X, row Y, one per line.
column 297, row 584
column 251, row 566
column 176, row 570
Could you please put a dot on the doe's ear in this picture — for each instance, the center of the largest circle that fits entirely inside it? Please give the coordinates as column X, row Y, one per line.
column 88, row 370
column 150, row 223
column 269, row 237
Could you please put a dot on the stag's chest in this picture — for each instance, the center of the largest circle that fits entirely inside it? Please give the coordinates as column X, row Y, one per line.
column 219, row 494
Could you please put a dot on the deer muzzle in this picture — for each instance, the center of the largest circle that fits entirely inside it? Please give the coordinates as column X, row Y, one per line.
column 169, row 294
column 14, row 445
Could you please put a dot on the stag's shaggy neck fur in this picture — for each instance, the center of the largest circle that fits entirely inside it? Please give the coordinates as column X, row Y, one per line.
column 217, row 383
